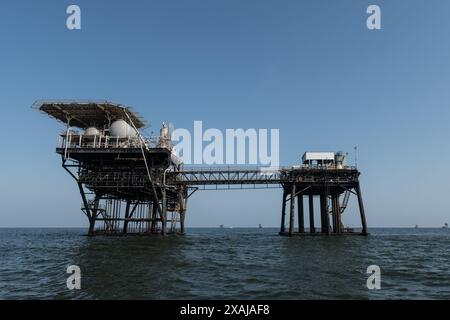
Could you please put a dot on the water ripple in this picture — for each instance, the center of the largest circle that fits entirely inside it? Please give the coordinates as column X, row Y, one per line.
column 224, row 264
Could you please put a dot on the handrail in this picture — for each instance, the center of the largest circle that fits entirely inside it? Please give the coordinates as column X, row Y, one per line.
column 262, row 169
column 101, row 141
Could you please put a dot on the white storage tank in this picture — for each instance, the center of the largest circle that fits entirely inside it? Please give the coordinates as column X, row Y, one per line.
column 91, row 131
column 164, row 137
column 121, row 129
column 340, row 160
column 164, row 132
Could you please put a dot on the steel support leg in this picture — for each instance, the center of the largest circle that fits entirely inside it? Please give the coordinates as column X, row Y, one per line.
column 283, row 212
column 154, row 217
column 127, row 216
column 323, row 213
column 292, row 212
column 361, row 209
column 91, row 214
column 164, row 213
column 311, row 214
column 183, row 211
column 334, row 209
column 301, row 219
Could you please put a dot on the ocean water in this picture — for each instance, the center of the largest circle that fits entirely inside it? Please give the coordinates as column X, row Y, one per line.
column 224, row 264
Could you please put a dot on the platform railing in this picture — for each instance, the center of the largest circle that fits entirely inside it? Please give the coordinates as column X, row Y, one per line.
column 75, row 140
column 263, row 169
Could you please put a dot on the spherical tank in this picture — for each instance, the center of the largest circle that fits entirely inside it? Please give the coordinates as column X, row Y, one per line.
column 121, row 129
column 91, row 131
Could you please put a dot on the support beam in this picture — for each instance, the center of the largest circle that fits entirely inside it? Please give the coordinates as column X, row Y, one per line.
column 164, row 213
column 338, row 215
column 334, row 210
column 149, row 217
column 322, row 213
column 361, row 209
column 301, row 219
column 127, row 216
column 184, row 201
column 182, row 216
column 90, row 213
column 93, row 217
column 292, row 211
column 327, row 215
column 154, row 217
column 312, row 228
column 283, row 212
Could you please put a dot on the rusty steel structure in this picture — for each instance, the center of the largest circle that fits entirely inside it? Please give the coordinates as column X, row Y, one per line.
column 131, row 184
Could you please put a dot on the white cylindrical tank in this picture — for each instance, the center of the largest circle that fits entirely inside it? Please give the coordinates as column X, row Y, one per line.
column 91, row 131
column 121, row 129
column 339, row 160
column 164, row 132
column 164, row 137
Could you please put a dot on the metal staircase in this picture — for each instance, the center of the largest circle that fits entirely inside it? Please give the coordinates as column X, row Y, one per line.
column 344, row 203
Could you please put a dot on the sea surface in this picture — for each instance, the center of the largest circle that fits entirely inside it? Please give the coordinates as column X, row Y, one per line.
column 225, row 264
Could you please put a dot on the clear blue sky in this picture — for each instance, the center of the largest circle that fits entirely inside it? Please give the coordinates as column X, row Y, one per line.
column 310, row 68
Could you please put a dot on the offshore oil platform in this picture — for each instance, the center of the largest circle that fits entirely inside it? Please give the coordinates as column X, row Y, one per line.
column 132, row 184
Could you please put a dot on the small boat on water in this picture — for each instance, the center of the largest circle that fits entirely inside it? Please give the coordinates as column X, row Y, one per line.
column 445, row 226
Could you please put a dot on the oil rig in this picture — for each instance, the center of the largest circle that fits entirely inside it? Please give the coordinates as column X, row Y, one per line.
column 133, row 184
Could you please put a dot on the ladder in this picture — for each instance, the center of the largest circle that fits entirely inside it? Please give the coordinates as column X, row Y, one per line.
column 344, row 202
